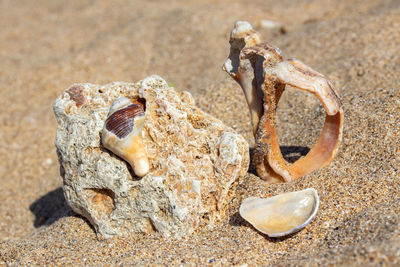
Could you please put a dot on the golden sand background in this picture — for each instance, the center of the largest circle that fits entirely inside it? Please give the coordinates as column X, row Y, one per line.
column 47, row 45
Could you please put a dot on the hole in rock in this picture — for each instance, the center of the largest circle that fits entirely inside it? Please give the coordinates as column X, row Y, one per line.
column 197, row 121
column 300, row 118
column 141, row 101
column 101, row 201
column 148, row 226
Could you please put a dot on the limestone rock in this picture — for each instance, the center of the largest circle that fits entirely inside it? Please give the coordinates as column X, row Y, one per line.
column 195, row 161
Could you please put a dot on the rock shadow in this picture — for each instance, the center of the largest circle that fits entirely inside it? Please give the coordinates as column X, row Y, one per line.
column 293, row 153
column 290, row 153
column 50, row 208
column 237, row 220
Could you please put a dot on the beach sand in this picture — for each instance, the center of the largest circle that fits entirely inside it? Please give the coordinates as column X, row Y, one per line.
column 45, row 46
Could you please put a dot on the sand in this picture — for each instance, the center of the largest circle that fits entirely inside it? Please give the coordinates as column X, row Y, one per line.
column 47, row 45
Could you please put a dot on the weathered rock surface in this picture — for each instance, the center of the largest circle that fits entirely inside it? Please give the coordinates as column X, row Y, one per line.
column 195, row 161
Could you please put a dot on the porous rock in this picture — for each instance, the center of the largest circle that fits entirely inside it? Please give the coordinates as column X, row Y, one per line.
column 195, row 161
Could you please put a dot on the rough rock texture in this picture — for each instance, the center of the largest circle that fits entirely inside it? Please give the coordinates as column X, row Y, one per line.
column 196, row 161
column 47, row 45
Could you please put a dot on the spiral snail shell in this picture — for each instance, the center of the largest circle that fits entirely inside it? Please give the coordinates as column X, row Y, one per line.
column 122, row 133
column 263, row 73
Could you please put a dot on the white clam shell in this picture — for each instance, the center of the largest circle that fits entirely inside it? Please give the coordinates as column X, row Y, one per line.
column 282, row 214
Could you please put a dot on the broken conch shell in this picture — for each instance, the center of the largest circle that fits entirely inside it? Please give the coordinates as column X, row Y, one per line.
column 282, row 214
column 122, row 133
column 261, row 71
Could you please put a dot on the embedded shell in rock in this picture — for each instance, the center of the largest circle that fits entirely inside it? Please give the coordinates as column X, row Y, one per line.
column 122, row 133
column 195, row 161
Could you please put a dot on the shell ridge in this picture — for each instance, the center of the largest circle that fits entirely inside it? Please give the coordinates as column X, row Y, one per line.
column 122, row 121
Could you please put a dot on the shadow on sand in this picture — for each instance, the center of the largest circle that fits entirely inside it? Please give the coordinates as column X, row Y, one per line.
column 50, row 208
column 290, row 153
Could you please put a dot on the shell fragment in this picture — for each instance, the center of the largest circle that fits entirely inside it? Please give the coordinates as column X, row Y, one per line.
column 282, row 214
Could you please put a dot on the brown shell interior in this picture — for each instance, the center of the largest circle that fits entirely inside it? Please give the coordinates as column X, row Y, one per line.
column 122, row 121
